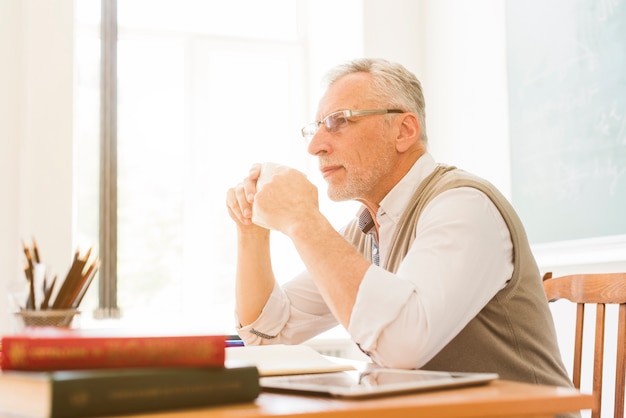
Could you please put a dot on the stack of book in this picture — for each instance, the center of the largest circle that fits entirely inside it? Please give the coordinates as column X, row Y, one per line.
column 51, row 372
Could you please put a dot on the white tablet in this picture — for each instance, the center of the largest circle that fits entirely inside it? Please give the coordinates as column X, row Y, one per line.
column 375, row 382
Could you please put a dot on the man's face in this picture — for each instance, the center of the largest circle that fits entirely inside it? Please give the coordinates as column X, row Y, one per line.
column 355, row 161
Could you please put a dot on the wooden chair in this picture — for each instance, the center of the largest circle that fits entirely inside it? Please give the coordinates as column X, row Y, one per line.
column 600, row 289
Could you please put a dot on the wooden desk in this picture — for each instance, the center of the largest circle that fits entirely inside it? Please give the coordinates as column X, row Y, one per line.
column 497, row 399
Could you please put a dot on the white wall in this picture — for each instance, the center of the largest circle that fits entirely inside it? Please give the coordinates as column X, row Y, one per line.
column 457, row 49
column 9, row 76
column 36, row 134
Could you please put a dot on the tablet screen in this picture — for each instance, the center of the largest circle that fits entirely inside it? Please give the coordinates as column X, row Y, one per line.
column 373, row 382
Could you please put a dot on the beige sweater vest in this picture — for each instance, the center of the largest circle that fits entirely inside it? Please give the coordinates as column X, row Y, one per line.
column 514, row 334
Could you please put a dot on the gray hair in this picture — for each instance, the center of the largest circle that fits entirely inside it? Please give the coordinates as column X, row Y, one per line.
column 393, row 84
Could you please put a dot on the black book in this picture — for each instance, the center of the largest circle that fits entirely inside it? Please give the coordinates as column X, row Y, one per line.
column 92, row 393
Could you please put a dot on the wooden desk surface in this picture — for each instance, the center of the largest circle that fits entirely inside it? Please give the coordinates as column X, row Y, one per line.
column 498, row 399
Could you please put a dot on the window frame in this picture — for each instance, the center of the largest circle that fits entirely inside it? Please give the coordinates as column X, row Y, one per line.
column 107, row 291
column 108, row 287
column 308, row 46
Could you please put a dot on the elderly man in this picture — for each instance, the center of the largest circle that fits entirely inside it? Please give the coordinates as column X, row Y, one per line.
column 436, row 272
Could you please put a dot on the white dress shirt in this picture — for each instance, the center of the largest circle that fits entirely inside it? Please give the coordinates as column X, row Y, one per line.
column 461, row 257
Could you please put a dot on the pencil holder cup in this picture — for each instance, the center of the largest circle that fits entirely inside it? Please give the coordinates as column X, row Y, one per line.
column 63, row 318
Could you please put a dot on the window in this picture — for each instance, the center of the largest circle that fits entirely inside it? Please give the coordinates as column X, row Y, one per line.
column 204, row 89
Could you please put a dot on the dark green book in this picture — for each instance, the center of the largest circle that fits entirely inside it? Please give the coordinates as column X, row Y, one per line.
column 92, row 393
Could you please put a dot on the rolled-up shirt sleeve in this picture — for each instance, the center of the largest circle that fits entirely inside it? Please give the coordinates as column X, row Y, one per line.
column 271, row 321
column 293, row 314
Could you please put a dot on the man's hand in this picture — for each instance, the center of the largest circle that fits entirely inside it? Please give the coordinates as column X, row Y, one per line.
column 286, row 197
column 239, row 198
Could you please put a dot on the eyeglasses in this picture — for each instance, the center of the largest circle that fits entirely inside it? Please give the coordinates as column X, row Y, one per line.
column 339, row 120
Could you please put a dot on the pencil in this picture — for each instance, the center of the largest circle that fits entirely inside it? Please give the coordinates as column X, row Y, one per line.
column 86, row 281
column 63, row 298
column 47, row 294
column 36, row 252
column 30, row 276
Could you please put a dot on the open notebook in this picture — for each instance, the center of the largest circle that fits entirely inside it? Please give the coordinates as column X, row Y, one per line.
column 280, row 359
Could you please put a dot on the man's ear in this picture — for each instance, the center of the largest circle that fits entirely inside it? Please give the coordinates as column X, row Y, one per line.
column 408, row 133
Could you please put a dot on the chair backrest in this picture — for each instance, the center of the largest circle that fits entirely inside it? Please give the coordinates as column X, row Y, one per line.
column 599, row 289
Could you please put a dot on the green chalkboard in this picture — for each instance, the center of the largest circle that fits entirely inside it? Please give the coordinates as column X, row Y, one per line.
column 567, row 90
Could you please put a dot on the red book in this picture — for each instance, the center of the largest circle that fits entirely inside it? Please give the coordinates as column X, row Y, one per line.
column 54, row 349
